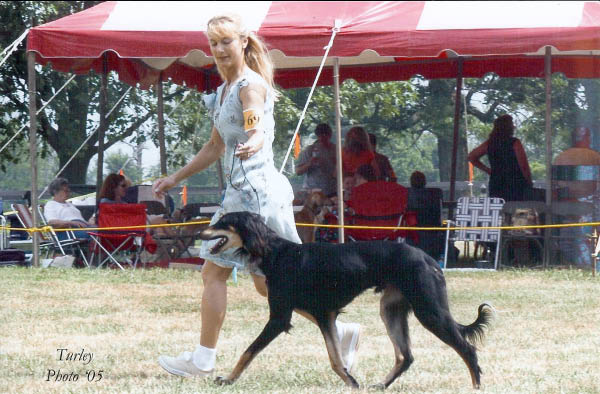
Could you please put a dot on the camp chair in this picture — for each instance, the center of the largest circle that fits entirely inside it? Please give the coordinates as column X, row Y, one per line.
column 71, row 243
column 378, row 204
column 154, row 207
column 523, row 243
column 182, row 237
column 476, row 212
column 26, row 219
column 4, row 234
column 566, row 239
column 426, row 203
column 110, row 245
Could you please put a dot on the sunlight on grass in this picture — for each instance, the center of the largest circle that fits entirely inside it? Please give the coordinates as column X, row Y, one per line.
column 544, row 338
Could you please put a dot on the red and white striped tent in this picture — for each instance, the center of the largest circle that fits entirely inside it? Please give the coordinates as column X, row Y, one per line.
column 376, row 41
column 145, row 42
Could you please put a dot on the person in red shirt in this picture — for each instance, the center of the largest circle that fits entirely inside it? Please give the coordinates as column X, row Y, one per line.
column 357, row 151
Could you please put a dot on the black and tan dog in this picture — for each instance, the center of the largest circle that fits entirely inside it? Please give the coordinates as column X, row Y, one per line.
column 322, row 278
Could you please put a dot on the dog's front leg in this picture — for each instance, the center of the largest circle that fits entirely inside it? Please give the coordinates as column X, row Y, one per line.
column 274, row 327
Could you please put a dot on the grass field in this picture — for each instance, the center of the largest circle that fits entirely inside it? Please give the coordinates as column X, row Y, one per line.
column 544, row 339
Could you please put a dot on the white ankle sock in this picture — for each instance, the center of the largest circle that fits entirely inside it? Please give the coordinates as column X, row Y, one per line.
column 204, row 358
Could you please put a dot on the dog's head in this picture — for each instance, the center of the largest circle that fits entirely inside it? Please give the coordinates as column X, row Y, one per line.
column 244, row 231
column 315, row 202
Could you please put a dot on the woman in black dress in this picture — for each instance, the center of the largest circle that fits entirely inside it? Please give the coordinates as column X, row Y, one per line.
column 509, row 169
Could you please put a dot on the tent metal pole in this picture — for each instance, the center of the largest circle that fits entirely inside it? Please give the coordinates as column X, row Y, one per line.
column 103, row 125
column 548, row 78
column 457, row 102
column 33, row 155
column 161, row 125
column 338, row 137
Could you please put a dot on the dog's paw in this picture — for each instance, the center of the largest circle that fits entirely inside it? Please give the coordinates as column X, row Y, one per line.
column 378, row 387
column 221, row 381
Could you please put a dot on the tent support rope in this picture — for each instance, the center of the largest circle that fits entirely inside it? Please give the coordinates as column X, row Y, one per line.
column 37, row 113
column 86, row 140
column 334, row 31
column 12, row 47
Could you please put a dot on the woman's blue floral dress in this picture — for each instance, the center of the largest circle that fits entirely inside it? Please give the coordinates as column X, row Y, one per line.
column 254, row 184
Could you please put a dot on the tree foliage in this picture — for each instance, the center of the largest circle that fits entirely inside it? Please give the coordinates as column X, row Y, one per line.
column 70, row 122
column 413, row 120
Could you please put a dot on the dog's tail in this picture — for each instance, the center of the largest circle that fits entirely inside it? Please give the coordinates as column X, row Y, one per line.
column 474, row 332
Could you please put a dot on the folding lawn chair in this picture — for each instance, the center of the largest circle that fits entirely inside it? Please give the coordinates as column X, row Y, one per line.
column 71, row 243
column 26, row 219
column 479, row 212
column 379, row 204
column 118, row 243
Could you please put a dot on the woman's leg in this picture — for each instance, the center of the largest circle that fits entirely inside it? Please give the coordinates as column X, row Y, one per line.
column 214, row 302
column 201, row 361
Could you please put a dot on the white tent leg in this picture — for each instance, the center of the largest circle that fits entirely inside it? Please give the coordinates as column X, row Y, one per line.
column 31, row 81
column 548, row 78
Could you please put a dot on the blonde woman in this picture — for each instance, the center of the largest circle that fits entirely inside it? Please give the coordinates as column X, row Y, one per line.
column 242, row 133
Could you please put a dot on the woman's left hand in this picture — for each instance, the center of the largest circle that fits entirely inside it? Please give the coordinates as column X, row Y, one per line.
column 253, row 145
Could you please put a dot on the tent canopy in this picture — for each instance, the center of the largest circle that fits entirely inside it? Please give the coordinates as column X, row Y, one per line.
column 377, row 41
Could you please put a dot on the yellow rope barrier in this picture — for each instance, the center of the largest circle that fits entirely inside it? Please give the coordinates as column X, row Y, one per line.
column 48, row 228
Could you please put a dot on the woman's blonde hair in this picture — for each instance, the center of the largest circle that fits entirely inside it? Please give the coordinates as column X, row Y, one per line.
column 256, row 54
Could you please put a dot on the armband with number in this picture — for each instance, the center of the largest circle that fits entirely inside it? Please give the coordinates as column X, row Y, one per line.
column 252, row 119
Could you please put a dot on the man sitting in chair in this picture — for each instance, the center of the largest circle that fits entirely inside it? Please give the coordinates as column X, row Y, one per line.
column 60, row 213
column 577, row 170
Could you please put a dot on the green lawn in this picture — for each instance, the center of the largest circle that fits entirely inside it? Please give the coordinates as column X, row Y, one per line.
column 545, row 337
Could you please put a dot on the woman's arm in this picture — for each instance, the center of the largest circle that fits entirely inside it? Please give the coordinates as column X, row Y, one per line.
column 253, row 99
column 522, row 160
column 209, row 153
column 475, row 157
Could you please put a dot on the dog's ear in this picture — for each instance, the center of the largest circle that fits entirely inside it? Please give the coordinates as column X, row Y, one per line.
column 255, row 234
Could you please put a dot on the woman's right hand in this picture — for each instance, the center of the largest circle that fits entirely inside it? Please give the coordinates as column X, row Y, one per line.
column 160, row 187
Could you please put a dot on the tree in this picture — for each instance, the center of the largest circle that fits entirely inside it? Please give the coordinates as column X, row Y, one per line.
column 72, row 117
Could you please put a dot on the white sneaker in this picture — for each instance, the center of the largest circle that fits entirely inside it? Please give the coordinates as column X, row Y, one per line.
column 182, row 365
column 349, row 344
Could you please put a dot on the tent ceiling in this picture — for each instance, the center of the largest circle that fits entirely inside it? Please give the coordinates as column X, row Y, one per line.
column 378, row 41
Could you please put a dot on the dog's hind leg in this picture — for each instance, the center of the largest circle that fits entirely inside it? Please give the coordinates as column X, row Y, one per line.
column 441, row 324
column 332, row 342
column 276, row 325
column 394, row 310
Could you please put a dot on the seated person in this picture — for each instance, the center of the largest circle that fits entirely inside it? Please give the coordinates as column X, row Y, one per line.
column 418, row 180
column 427, row 205
column 364, row 174
column 60, row 213
column 583, row 187
column 114, row 189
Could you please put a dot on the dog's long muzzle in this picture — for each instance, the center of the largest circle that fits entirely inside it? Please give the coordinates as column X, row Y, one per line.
column 227, row 239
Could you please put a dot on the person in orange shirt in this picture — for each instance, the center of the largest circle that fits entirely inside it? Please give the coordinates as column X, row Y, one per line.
column 357, row 151
column 577, row 171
